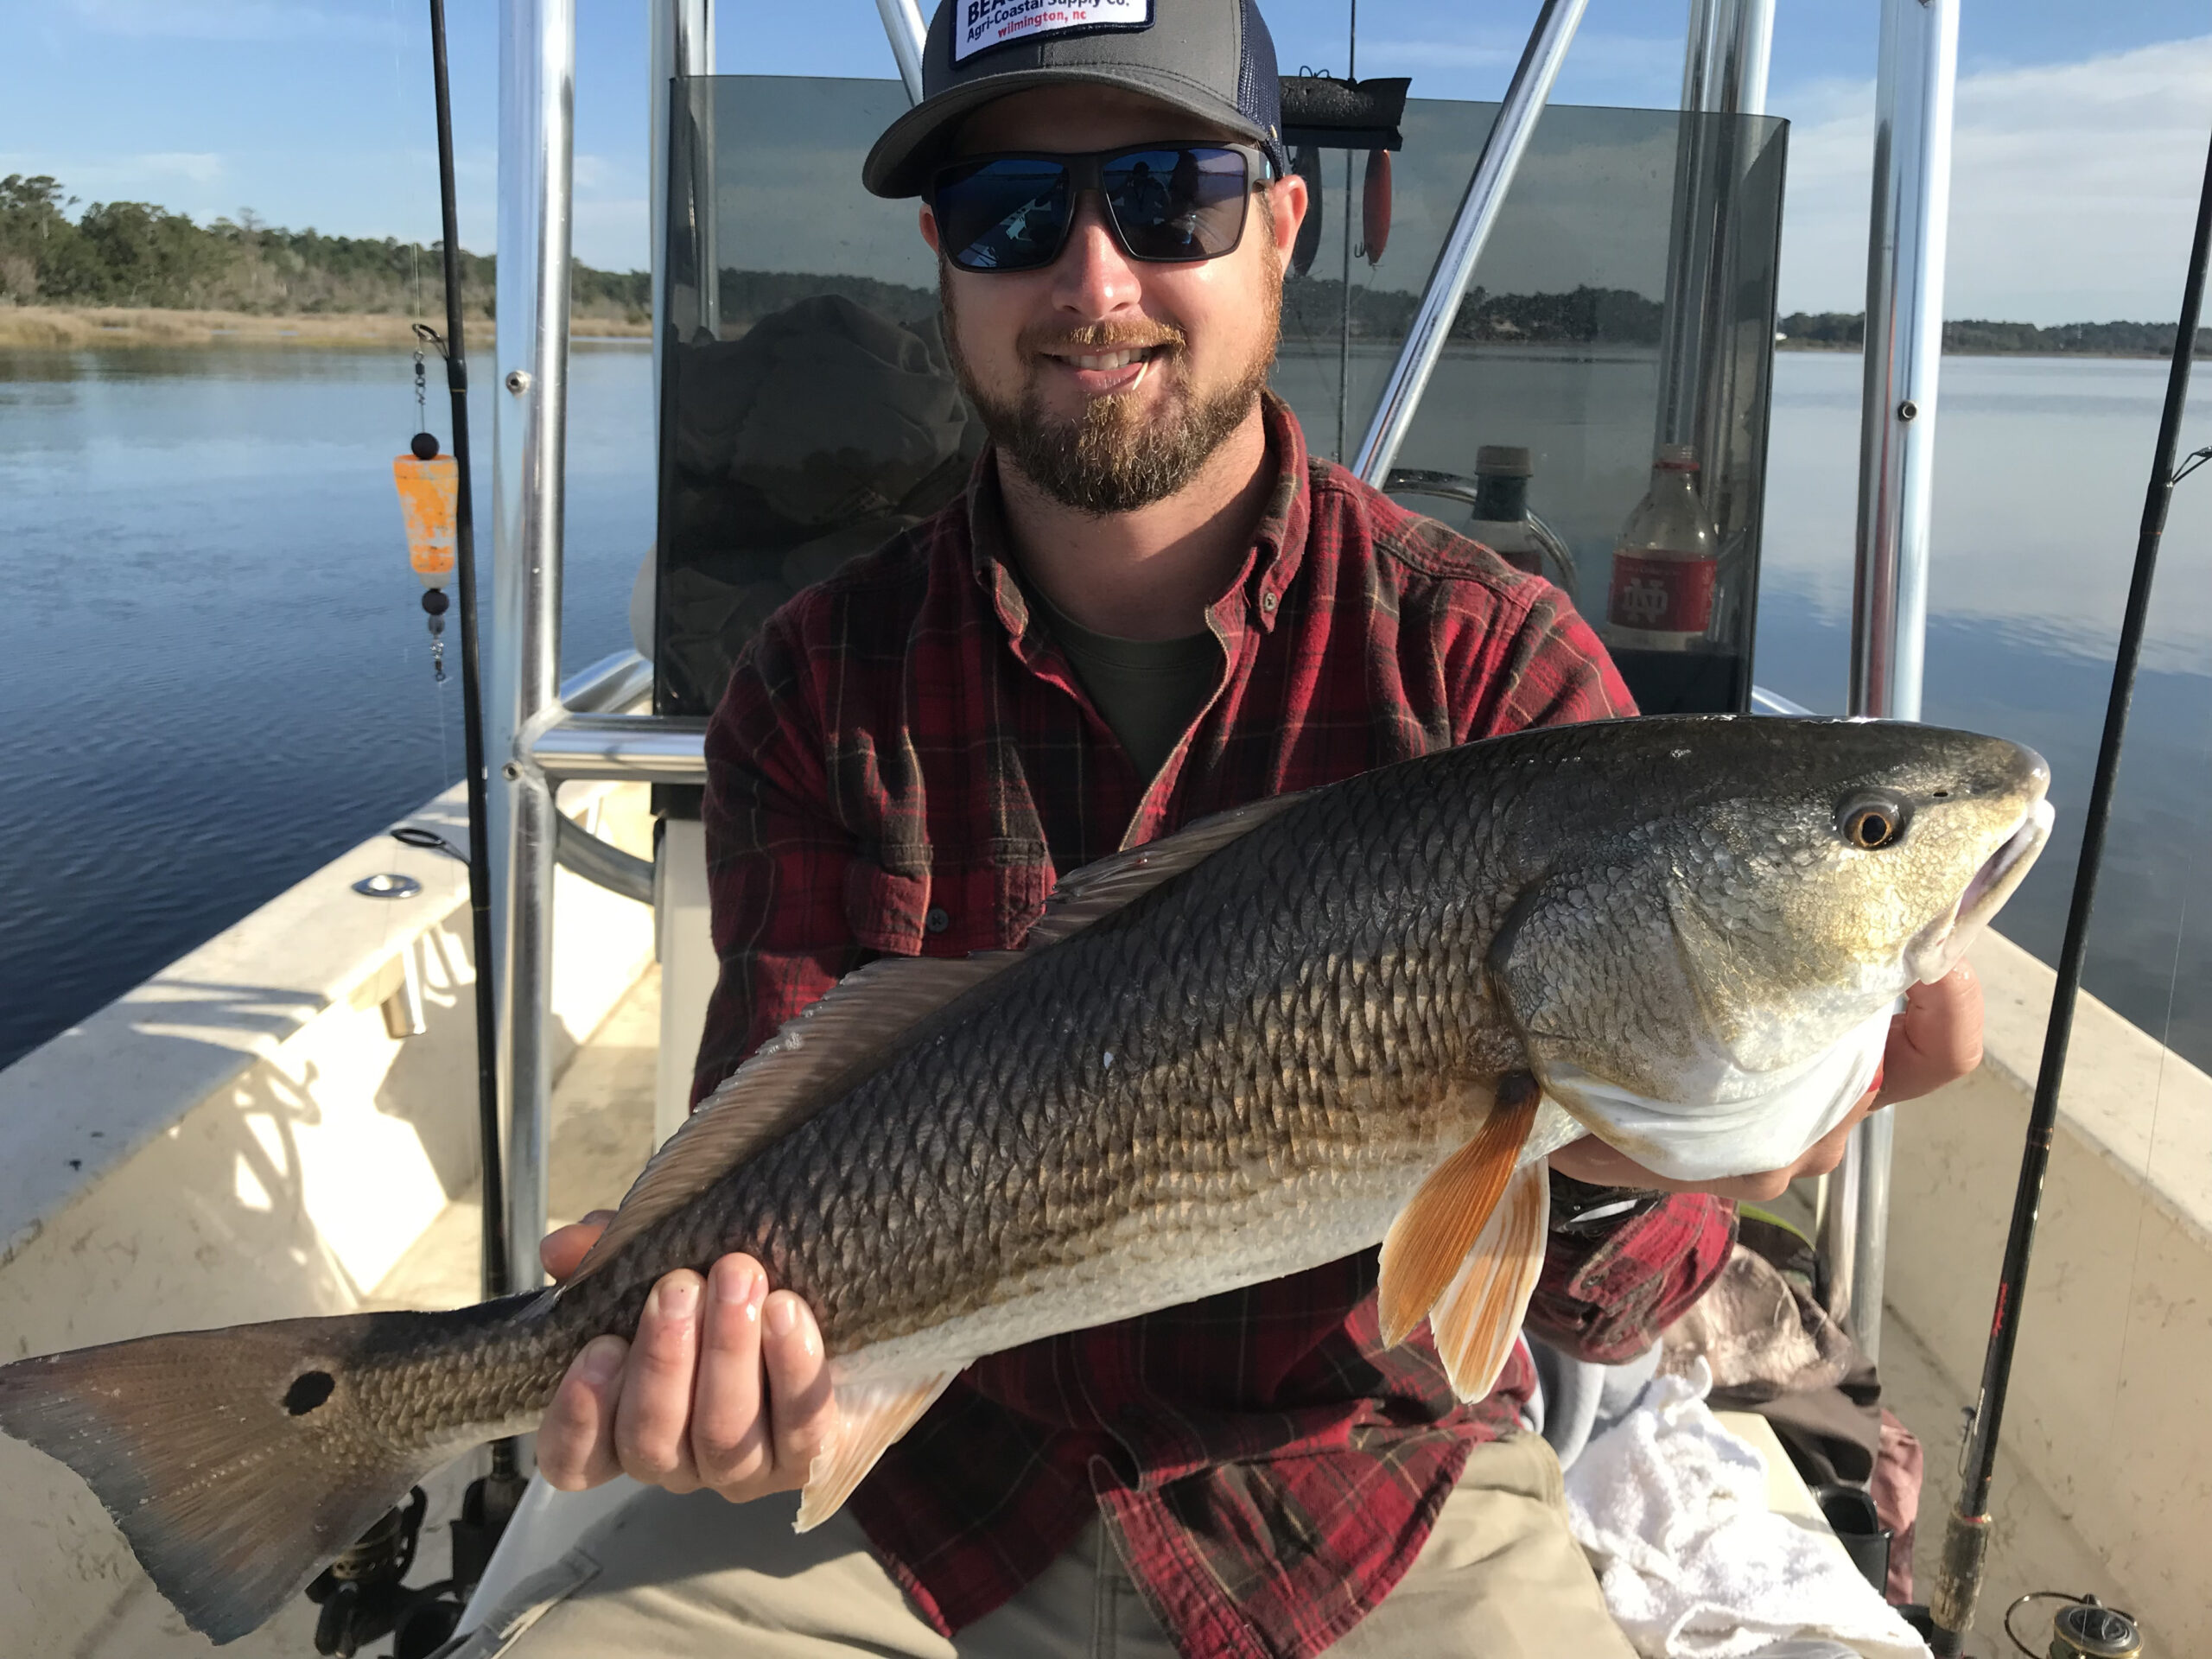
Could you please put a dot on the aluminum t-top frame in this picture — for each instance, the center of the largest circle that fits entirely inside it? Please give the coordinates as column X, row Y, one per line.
column 538, row 740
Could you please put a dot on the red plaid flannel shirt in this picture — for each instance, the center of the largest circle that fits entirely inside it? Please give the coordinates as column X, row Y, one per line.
column 904, row 763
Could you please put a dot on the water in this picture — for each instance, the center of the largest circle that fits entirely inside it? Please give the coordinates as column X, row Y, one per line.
column 213, row 673
column 2040, row 465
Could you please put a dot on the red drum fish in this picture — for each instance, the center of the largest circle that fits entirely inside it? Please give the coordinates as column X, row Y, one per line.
column 1354, row 1016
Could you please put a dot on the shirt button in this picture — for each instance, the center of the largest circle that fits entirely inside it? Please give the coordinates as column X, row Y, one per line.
column 1267, row 602
column 938, row 920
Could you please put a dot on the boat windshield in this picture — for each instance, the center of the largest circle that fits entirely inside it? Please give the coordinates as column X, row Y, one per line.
column 810, row 409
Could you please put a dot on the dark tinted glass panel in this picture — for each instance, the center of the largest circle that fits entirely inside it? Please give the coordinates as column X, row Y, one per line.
column 810, row 409
column 1560, row 347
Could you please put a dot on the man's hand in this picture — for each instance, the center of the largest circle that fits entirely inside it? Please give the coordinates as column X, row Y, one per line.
column 1937, row 1039
column 724, row 1385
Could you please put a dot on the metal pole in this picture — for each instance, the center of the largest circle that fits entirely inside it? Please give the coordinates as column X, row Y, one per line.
column 1455, row 261
column 1966, row 1537
column 1344, row 297
column 1897, row 454
column 1724, row 67
column 538, row 47
column 1723, row 73
column 908, row 31
column 683, row 44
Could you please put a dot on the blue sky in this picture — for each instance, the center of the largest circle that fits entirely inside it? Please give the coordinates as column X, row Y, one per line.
column 2081, row 128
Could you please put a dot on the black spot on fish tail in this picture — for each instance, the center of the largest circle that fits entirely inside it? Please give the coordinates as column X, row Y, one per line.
column 308, row 1390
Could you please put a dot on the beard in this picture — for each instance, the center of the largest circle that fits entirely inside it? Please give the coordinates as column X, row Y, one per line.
column 1115, row 456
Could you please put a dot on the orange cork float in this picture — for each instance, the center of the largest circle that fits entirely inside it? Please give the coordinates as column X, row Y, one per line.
column 430, row 505
column 429, row 489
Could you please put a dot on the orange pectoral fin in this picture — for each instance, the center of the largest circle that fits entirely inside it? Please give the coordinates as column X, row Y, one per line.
column 1426, row 1245
column 1478, row 1315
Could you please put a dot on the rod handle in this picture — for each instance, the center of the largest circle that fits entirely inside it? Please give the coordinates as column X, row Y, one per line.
column 1958, row 1581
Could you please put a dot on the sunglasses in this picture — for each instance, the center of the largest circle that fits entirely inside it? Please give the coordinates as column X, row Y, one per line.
column 1164, row 203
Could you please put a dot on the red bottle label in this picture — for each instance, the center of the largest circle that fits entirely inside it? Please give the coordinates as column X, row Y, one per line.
column 1661, row 595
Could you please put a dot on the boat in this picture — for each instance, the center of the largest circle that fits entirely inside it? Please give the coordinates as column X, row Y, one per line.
column 283, row 1123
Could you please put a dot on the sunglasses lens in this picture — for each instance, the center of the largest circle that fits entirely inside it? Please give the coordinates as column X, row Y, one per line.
column 1010, row 214
column 1178, row 204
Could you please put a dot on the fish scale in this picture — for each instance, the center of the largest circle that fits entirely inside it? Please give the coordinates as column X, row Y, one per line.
column 1354, row 1016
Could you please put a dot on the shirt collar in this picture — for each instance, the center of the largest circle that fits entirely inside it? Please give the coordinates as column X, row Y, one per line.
column 1278, row 540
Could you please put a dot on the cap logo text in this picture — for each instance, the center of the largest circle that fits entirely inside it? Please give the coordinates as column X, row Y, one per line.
column 981, row 24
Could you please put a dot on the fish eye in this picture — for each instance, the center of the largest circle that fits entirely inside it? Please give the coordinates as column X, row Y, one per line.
column 1870, row 822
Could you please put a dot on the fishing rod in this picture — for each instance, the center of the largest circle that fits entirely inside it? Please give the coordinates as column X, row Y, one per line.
column 1966, row 1537
column 498, row 1498
column 362, row 1593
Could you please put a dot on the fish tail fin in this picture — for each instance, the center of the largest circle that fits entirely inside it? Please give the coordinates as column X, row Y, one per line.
column 238, row 1462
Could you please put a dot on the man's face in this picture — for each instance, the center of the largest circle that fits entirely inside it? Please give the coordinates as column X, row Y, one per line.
column 1109, row 380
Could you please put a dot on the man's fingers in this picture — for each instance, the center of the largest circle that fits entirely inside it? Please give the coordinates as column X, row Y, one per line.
column 575, row 1442
column 1937, row 1039
column 652, row 1423
column 729, row 1420
column 563, row 1249
column 802, row 1406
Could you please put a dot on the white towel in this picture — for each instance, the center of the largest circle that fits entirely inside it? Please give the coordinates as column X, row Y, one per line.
column 1693, row 1564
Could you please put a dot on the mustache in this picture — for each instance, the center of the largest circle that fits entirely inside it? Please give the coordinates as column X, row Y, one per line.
column 1102, row 337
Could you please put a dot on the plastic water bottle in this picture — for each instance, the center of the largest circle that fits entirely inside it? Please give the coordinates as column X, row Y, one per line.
column 1502, row 522
column 1666, row 564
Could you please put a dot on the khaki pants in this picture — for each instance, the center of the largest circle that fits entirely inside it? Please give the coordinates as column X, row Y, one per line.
column 696, row 1578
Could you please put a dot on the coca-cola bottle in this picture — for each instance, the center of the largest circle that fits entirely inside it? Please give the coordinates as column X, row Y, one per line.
column 1667, row 563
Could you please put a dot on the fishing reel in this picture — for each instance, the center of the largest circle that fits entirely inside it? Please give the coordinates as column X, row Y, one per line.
column 2086, row 1628
column 362, row 1595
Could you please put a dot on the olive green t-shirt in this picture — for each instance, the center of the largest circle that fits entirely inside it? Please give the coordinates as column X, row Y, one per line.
column 1149, row 691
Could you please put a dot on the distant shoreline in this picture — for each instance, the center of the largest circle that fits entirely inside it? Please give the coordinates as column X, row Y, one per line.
column 1821, row 347
column 55, row 327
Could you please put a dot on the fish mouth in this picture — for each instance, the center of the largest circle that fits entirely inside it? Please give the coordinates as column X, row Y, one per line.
column 1939, row 947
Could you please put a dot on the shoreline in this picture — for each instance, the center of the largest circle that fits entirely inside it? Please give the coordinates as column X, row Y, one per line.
column 53, row 327
column 1823, row 348
column 67, row 328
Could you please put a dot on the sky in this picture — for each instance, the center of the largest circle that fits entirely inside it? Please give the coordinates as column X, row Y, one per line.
column 2080, row 130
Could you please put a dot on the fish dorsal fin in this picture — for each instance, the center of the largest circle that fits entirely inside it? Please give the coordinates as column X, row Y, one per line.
column 1114, row 882
column 873, row 1010
column 1426, row 1245
column 788, row 1079
column 1478, row 1315
column 870, row 1416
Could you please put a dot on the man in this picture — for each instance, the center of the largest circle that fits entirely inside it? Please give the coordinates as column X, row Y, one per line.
column 1151, row 605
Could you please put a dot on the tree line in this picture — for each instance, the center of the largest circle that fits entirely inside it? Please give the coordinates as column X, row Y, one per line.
column 1314, row 310
column 132, row 253
column 1846, row 331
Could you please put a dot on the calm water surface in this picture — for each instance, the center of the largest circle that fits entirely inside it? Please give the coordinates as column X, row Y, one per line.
column 213, row 674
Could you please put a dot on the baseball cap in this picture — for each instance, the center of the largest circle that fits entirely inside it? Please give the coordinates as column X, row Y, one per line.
column 1213, row 59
